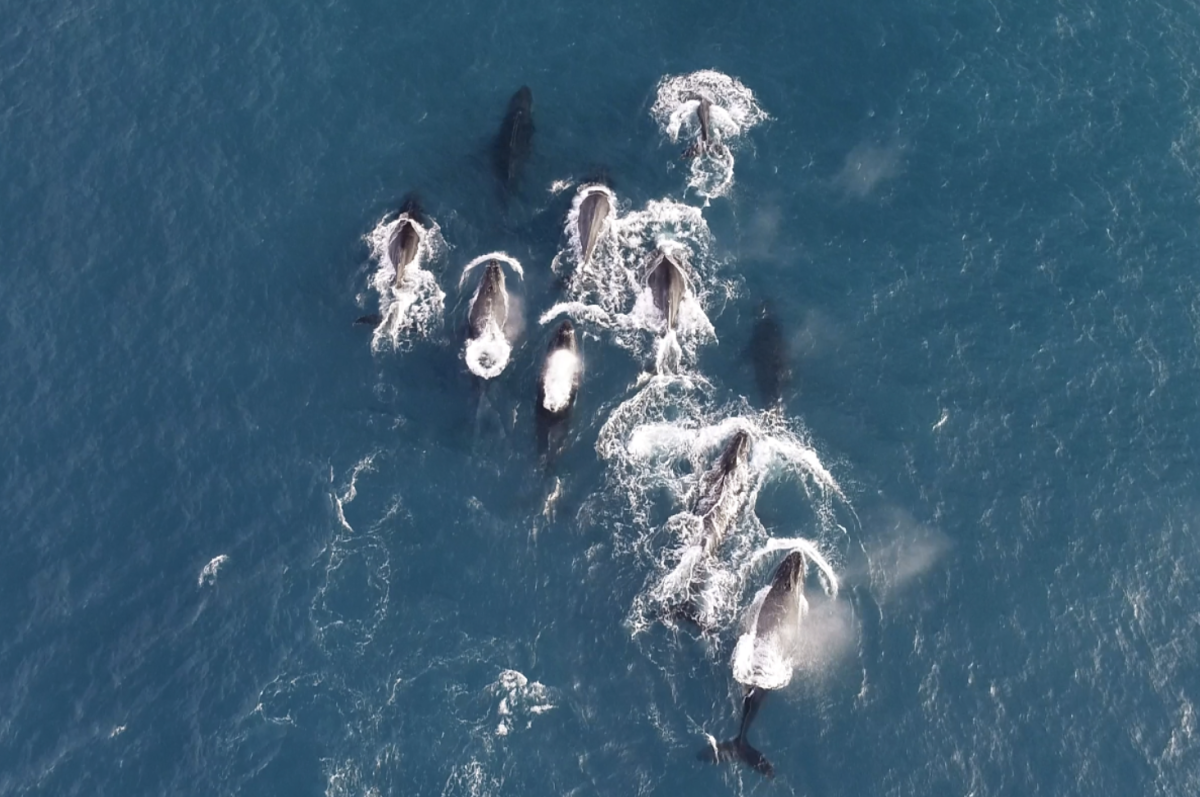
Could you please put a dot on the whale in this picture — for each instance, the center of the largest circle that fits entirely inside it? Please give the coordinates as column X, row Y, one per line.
column 490, row 303
column 667, row 284
column 406, row 239
column 558, row 385
column 515, row 139
column 724, row 490
column 779, row 608
column 593, row 216
column 559, row 382
column 769, row 356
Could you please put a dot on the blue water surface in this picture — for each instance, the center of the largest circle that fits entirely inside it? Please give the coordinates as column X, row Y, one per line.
column 977, row 222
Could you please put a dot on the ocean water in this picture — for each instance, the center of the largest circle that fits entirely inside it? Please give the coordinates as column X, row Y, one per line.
column 249, row 548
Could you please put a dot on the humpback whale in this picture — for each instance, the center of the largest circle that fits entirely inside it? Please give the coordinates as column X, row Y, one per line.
column 406, row 239
column 490, row 302
column 704, row 142
column 667, row 285
column 515, row 139
column 778, row 612
column 768, row 353
column 557, row 388
column 723, row 491
column 593, row 215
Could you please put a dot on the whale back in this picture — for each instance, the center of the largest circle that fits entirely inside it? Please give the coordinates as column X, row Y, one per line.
column 593, row 212
column 781, row 602
column 704, row 114
column 667, row 285
column 715, row 480
column 402, row 249
column 490, row 302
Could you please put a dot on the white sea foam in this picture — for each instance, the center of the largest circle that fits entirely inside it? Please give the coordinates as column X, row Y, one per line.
column 520, row 701
column 658, row 444
column 412, row 309
column 487, row 355
column 558, row 383
column 209, row 574
column 733, row 111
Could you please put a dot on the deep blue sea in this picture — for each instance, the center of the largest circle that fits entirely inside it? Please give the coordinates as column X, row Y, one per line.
column 246, row 551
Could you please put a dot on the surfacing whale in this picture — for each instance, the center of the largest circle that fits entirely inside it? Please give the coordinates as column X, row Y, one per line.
column 558, row 386
column 724, row 489
column 667, row 284
column 406, row 239
column 490, row 302
column 778, row 612
column 593, row 215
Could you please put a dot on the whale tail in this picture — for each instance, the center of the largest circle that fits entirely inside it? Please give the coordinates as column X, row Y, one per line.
column 737, row 750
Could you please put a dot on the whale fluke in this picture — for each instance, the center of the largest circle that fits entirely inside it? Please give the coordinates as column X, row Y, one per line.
column 738, row 749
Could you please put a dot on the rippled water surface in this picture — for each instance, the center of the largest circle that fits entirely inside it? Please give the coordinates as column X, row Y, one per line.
column 253, row 548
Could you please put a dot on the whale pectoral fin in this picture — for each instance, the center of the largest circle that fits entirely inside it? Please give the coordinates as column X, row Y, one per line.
column 373, row 320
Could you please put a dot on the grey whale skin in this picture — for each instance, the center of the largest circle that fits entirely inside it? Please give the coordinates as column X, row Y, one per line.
column 667, row 285
column 402, row 248
column 551, row 425
column 593, row 213
column 776, row 609
column 720, row 484
column 490, row 301
column 720, row 497
column 406, row 240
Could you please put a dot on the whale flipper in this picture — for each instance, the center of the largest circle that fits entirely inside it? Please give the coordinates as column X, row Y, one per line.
column 373, row 320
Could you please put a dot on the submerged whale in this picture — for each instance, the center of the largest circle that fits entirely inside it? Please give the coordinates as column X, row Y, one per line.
column 777, row 614
column 557, row 387
column 667, row 284
column 593, row 217
column 515, row 139
column 769, row 355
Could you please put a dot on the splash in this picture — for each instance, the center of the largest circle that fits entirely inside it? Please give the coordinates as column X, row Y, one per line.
column 487, row 354
column 559, row 380
column 413, row 308
column 733, row 111
column 660, row 444
column 209, row 574
column 768, row 658
column 520, row 701
column 609, row 293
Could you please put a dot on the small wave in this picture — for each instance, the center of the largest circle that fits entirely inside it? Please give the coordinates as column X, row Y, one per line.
column 209, row 574
column 499, row 257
